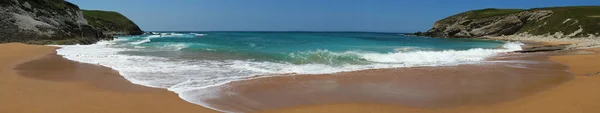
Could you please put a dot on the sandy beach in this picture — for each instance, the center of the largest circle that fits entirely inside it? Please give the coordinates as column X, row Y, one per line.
column 36, row 80
column 577, row 95
column 200, row 56
column 502, row 79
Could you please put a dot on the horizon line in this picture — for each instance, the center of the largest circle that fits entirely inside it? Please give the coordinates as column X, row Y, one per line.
column 274, row 31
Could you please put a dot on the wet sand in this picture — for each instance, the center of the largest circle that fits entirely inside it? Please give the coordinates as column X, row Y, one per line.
column 501, row 79
column 34, row 79
column 577, row 95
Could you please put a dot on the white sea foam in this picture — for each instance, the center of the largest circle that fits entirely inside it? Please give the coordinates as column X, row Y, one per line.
column 179, row 34
column 439, row 57
column 175, row 46
column 407, row 49
column 182, row 76
column 163, row 35
column 146, row 39
column 199, row 35
column 179, row 46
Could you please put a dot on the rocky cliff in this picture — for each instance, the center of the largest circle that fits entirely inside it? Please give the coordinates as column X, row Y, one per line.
column 556, row 22
column 111, row 23
column 46, row 22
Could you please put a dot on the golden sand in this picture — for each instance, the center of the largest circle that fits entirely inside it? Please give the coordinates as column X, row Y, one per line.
column 47, row 83
column 34, row 79
column 579, row 95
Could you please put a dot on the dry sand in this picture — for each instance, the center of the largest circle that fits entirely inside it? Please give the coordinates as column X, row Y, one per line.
column 34, row 79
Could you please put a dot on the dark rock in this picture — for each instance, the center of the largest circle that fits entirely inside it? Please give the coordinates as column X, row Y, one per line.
column 46, row 22
column 551, row 22
column 462, row 26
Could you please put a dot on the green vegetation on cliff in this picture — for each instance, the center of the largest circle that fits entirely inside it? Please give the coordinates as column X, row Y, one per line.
column 480, row 14
column 45, row 22
column 490, row 12
column 572, row 22
column 59, row 22
column 111, row 23
column 567, row 20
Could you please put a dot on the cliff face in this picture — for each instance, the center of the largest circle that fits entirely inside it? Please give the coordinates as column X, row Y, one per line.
column 46, row 22
column 111, row 23
column 559, row 22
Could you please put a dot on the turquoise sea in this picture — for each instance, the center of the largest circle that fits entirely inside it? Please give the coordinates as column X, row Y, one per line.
column 328, row 48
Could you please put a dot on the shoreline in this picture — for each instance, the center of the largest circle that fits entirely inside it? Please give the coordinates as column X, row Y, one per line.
column 433, row 86
column 94, row 86
column 576, row 95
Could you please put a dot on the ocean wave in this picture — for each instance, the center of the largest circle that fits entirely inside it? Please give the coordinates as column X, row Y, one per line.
column 138, row 68
column 148, row 38
column 326, row 57
column 439, row 57
column 408, row 49
column 422, row 57
column 145, row 40
column 176, row 46
column 171, row 35
column 181, row 35
column 199, row 35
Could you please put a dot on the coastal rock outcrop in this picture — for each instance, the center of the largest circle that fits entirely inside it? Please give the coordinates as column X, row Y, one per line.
column 556, row 22
column 46, row 22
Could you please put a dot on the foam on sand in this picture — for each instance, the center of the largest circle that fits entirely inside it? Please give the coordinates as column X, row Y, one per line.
column 162, row 72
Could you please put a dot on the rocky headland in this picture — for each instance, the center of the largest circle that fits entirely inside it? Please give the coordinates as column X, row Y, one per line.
column 577, row 25
column 58, row 22
column 111, row 23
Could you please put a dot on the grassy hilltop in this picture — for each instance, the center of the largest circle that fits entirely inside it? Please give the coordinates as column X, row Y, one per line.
column 59, row 22
column 111, row 23
column 573, row 22
column 567, row 20
column 45, row 22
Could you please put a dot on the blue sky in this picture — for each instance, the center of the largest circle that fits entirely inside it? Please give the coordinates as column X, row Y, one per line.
column 301, row 15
